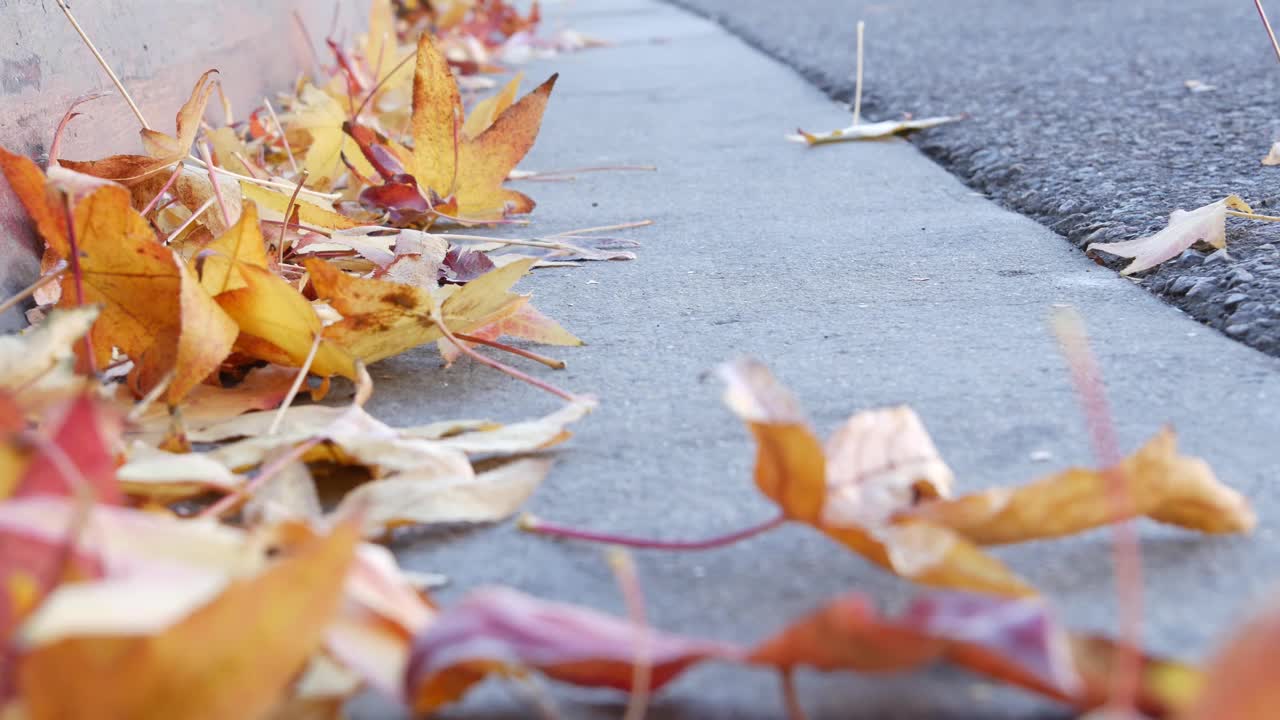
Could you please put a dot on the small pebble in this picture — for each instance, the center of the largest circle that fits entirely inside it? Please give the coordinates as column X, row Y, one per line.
column 1234, row 299
column 1202, row 288
column 1218, row 256
column 1238, row 329
column 1041, row 456
column 1181, row 285
column 1240, row 275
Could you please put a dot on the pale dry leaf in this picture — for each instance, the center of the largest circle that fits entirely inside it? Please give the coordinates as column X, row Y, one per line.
column 1273, row 155
column 1205, row 225
column 872, row 131
column 486, row 497
column 26, row 357
column 166, row 476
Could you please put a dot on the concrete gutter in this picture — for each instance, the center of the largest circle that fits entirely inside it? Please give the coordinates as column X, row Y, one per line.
column 865, row 275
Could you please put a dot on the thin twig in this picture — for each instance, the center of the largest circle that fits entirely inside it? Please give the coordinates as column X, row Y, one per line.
column 857, row 83
column 604, row 228
column 177, row 170
column 795, row 711
column 213, row 180
column 297, row 385
column 624, row 571
column 279, row 184
column 1126, row 554
column 293, row 163
column 187, row 223
column 288, row 213
column 1253, row 216
column 115, row 79
column 1271, row 34
column 140, row 408
column 54, row 273
column 380, row 83
column 527, row 354
column 233, row 499
column 501, row 367
column 530, row 523
column 310, row 43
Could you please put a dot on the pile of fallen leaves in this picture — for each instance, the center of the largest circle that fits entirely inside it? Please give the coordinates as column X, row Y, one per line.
column 178, row 537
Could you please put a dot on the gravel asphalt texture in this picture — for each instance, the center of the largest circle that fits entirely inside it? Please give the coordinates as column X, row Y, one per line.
column 865, row 275
column 1081, row 117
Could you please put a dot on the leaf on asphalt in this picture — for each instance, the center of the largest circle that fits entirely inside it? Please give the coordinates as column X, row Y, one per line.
column 470, row 169
column 165, row 476
column 263, row 388
column 162, row 150
column 276, row 322
column 231, row 657
column 502, row 631
column 872, row 131
column 1206, row 225
column 881, row 463
column 1016, row 641
column 1165, row 687
column 1273, row 155
column 273, row 204
column 486, row 111
column 381, row 319
column 1160, row 483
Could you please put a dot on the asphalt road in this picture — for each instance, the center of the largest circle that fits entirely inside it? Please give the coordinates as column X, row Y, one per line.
column 1081, row 117
column 864, row 275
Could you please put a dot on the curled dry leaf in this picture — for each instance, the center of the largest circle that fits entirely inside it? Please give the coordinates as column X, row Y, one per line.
column 880, row 488
column 1205, row 225
column 1273, row 155
column 39, row 360
column 497, row 630
column 162, row 150
column 1161, row 484
column 872, row 131
column 880, row 464
column 1016, row 641
column 526, row 323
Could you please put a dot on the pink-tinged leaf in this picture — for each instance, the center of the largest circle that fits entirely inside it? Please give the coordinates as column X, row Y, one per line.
column 497, row 630
column 81, row 436
column 461, row 266
column 1012, row 640
column 400, row 199
column 1205, row 225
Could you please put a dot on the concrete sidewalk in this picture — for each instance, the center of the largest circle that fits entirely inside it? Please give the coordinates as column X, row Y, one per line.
column 864, row 275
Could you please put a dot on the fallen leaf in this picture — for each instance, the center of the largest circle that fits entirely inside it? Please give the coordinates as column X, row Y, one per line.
column 1273, row 155
column 1239, row 680
column 276, row 322
column 489, row 496
column 381, row 318
column 162, row 150
column 232, row 657
column 1016, row 641
column 878, row 464
column 76, row 456
column 526, row 323
column 1206, row 224
column 872, row 131
column 470, row 169
column 1160, row 483
column 29, row 356
column 497, row 630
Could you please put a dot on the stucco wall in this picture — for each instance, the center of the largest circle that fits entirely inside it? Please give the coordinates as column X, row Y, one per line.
column 159, row 48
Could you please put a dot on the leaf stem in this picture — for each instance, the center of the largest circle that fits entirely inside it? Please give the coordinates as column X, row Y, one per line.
column 187, row 223
column 527, row 354
column 1271, row 34
column 293, row 162
column 624, row 571
column 857, row 85
column 530, row 523
column 466, row 349
column 297, row 385
column 288, row 213
column 77, row 274
column 53, row 274
column 207, row 156
column 115, row 79
column 1126, row 554
column 232, row 500
column 177, row 170
column 1253, row 216
column 795, row 711
column 604, row 228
